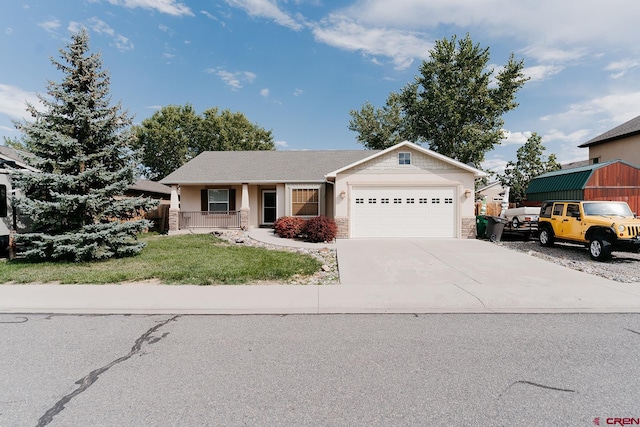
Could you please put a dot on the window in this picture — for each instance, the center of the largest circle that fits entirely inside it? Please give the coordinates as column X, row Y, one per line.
column 384, row 201
column 435, row 200
column 3, row 201
column 410, row 200
column 359, row 201
column 397, row 200
column 218, row 201
column 404, row 158
column 423, row 200
column 448, row 201
column 558, row 208
column 305, row 202
column 573, row 209
column 372, row 200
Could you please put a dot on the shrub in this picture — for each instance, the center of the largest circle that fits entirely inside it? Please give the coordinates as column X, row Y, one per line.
column 320, row 229
column 289, row 226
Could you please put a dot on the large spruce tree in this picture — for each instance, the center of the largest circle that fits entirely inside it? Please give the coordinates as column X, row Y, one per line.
column 82, row 149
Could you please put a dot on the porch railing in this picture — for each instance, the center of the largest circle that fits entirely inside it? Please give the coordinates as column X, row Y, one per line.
column 203, row 219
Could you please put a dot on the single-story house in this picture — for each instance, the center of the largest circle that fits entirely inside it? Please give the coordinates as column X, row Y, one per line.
column 621, row 142
column 611, row 180
column 151, row 189
column 11, row 160
column 403, row 191
column 493, row 192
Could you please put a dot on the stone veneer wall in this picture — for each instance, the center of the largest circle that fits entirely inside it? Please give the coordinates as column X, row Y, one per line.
column 174, row 215
column 468, row 228
column 343, row 227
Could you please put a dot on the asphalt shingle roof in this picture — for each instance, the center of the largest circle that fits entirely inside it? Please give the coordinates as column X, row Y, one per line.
column 626, row 129
column 263, row 166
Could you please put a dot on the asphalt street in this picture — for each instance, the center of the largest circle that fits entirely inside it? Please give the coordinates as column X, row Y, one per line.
column 401, row 369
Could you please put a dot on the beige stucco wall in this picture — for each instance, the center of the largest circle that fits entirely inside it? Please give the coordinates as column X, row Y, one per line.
column 425, row 171
column 627, row 149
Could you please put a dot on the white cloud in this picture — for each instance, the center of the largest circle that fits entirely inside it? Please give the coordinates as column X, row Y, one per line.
column 495, row 164
column 344, row 33
column 121, row 42
column 8, row 31
column 235, row 80
column 298, row 92
column 170, row 7
column 614, row 108
column 541, row 72
column 622, row 67
column 13, row 101
column 515, row 138
column 267, row 9
column 264, row 93
column 74, row 27
column 280, row 144
column 591, row 22
column 50, row 26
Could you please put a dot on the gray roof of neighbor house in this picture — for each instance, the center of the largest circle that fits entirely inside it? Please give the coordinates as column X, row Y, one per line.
column 146, row 186
column 632, row 127
column 263, row 166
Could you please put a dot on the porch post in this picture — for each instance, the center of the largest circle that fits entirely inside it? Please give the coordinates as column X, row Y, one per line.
column 174, row 210
column 244, row 207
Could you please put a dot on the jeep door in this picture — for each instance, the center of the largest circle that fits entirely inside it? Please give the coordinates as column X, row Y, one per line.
column 557, row 215
column 572, row 222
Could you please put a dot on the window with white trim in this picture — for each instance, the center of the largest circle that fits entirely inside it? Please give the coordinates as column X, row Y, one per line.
column 305, row 202
column 218, row 200
column 404, row 158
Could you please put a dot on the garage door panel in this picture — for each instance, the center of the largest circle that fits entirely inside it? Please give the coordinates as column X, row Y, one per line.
column 403, row 212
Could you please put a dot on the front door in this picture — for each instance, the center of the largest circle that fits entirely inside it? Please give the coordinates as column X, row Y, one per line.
column 268, row 206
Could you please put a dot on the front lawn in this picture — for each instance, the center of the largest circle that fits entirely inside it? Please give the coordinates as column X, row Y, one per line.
column 197, row 259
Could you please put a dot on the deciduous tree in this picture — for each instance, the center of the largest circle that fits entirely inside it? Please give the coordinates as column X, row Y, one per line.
column 530, row 163
column 174, row 135
column 455, row 104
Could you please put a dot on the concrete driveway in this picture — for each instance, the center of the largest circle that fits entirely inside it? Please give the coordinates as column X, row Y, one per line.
column 458, row 272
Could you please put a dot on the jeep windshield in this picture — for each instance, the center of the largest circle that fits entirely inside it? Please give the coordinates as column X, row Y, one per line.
column 607, row 209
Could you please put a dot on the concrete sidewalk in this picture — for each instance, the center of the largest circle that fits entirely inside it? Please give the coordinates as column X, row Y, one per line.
column 378, row 276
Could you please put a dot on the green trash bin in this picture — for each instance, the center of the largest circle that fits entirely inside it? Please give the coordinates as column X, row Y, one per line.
column 481, row 226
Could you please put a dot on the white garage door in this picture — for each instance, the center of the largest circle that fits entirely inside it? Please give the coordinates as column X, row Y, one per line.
column 403, row 212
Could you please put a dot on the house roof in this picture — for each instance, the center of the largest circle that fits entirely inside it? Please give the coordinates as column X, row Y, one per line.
column 147, row 186
column 567, row 179
column 234, row 167
column 632, row 127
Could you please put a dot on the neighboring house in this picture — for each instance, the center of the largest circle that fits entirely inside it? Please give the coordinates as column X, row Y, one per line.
column 611, row 180
column 621, row 142
column 494, row 192
column 151, row 189
column 11, row 160
column 403, row 191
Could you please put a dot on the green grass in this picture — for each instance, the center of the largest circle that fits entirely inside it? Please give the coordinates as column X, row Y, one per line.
column 198, row 259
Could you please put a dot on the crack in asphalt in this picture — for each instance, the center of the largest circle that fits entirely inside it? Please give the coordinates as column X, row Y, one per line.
column 23, row 319
column 631, row 330
column 86, row 382
column 531, row 383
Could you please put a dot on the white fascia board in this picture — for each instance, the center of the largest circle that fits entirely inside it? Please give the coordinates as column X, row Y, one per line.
column 476, row 172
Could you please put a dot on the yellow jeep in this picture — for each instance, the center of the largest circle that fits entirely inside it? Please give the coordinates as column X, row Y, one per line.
column 602, row 226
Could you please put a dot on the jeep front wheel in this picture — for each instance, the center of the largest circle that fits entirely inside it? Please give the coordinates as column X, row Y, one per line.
column 545, row 237
column 599, row 249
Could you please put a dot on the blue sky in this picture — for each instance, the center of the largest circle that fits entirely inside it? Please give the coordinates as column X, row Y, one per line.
column 297, row 67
